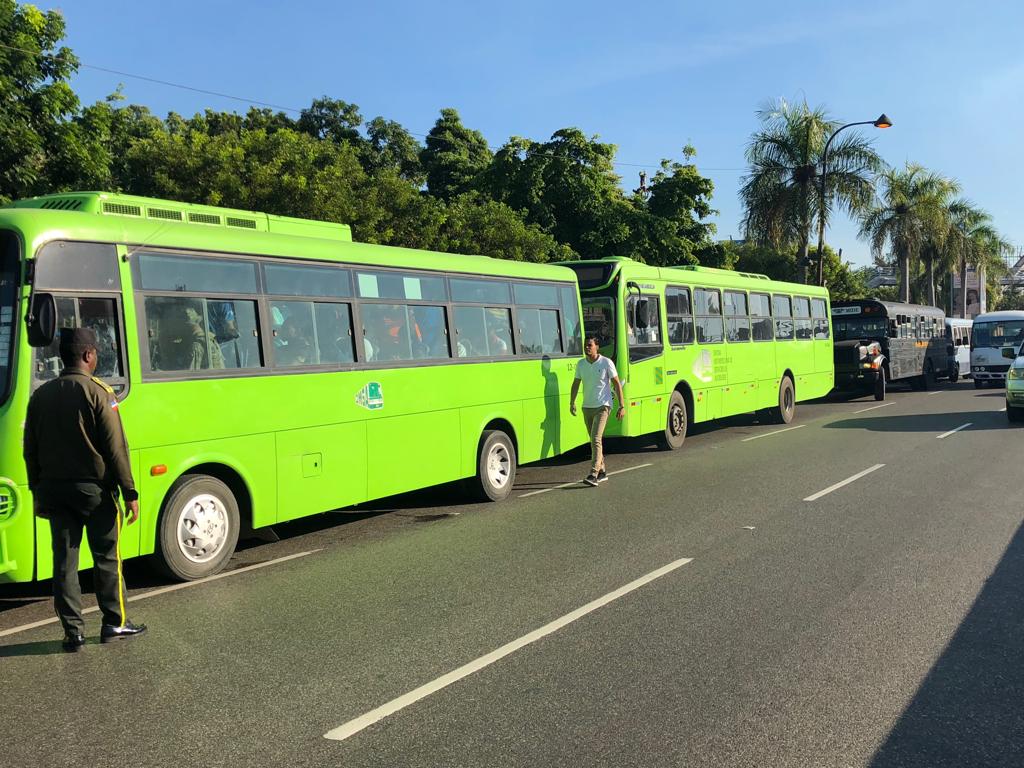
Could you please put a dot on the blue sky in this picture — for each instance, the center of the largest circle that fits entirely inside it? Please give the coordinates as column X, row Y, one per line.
column 647, row 77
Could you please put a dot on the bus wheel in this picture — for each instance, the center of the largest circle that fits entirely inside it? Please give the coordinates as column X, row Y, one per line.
column 954, row 374
column 675, row 425
column 496, row 466
column 198, row 528
column 880, row 385
column 786, row 409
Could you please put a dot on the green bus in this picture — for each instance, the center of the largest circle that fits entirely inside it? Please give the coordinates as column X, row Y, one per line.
column 697, row 343
column 270, row 368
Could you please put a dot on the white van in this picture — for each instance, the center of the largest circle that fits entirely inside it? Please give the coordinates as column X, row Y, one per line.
column 958, row 347
column 991, row 333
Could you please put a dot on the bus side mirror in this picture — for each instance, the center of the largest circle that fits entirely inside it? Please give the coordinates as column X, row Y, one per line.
column 42, row 320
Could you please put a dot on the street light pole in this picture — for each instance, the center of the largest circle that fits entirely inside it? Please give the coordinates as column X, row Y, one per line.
column 881, row 122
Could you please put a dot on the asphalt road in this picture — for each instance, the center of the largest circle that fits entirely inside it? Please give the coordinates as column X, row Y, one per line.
column 697, row 609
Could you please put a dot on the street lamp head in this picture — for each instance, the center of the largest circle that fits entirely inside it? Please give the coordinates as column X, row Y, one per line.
column 883, row 122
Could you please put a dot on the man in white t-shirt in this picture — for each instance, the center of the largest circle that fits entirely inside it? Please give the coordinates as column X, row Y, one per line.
column 598, row 376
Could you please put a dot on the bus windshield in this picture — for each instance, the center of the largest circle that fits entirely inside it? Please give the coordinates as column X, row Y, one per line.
column 845, row 329
column 8, row 306
column 997, row 333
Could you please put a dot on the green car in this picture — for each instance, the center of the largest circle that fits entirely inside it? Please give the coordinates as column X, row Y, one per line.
column 1015, row 384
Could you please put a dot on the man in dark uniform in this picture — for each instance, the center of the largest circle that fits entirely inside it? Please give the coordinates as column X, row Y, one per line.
column 77, row 460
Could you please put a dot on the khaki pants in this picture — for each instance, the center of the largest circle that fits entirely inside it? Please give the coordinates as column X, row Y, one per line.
column 596, row 419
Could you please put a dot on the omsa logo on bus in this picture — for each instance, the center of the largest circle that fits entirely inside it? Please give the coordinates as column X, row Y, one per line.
column 371, row 396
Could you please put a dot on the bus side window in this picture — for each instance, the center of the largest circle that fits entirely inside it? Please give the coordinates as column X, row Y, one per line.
column 679, row 315
column 761, row 317
column 100, row 315
column 782, row 309
column 820, row 317
column 737, row 327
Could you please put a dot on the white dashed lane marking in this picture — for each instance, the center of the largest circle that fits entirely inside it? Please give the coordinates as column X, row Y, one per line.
column 354, row 726
column 847, row 481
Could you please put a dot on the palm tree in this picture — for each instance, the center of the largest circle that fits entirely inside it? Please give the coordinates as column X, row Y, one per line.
column 972, row 241
column 909, row 215
column 781, row 196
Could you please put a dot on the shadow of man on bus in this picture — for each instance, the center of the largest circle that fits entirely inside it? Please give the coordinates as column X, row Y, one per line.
column 967, row 710
column 552, row 424
column 925, row 422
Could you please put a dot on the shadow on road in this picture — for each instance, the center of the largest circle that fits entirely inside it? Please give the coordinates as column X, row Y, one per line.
column 925, row 422
column 968, row 710
column 39, row 648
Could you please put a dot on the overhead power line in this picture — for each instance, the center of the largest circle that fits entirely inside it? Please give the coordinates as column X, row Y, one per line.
column 257, row 102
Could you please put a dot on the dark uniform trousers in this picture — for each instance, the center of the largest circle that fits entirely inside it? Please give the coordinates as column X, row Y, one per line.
column 72, row 507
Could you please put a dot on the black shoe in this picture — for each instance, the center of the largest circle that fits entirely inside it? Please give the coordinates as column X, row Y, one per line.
column 73, row 641
column 109, row 633
column 591, row 479
column 602, row 476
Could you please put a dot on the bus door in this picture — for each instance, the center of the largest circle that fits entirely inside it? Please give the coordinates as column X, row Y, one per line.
column 85, row 281
column 644, row 379
column 740, row 395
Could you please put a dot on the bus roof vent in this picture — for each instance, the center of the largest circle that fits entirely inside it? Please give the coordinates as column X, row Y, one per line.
column 164, row 213
column 234, row 221
column 62, row 204
column 204, row 218
column 121, row 209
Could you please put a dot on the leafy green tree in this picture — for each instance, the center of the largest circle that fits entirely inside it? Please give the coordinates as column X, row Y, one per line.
column 389, row 145
column 750, row 256
column 36, row 100
column 842, row 280
column 909, row 214
column 475, row 224
column 669, row 227
column 454, row 156
column 332, row 119
column 1010, row 299
column 568, row 187
column 780, row 196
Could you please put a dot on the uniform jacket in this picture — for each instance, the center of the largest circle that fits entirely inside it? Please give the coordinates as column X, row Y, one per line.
column 73, row 434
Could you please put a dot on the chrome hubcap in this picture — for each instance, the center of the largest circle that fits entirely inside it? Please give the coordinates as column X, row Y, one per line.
column 676, row 421
column 202, row 528
column 498, row 463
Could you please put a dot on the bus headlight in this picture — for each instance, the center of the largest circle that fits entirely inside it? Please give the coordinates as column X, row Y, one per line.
column 978, row 368
column 1015, row 373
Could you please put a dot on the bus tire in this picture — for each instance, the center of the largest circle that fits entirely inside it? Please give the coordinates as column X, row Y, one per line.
column 495, row 466
column 674, row 434
column 784, row 412
column 954, row 374
column 880, row 385
column 198, row 528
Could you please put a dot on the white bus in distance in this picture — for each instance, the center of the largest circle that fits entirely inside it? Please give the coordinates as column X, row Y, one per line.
column 990, row 334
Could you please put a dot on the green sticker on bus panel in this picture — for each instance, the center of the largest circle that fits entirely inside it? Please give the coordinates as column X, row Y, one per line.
column 371, row 397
